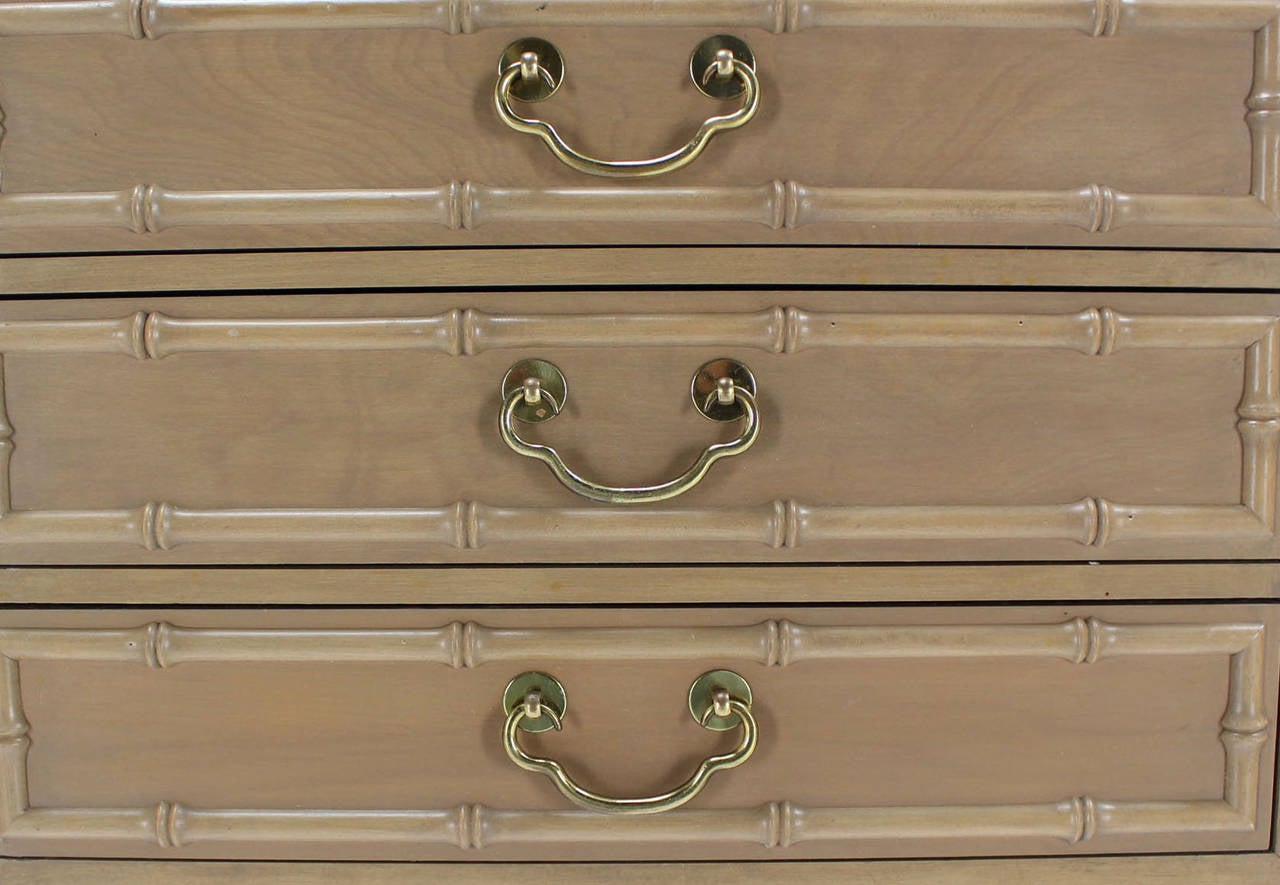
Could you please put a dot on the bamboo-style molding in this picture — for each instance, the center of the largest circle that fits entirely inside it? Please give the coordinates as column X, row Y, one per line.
column 1091, row 521
column 1093, row 331
column 168, row 824
column 466, row 205
column 151, row 19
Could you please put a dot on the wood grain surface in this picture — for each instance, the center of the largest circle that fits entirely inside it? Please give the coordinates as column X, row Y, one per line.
column 722, row 584
column 656, row 266
column 244, row 137
column 961, row 731
column 1238, row 869
column 361, row 428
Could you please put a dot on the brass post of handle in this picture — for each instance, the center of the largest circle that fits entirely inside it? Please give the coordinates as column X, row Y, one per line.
column 719, row 700
column 722, row 390
column 531, row 70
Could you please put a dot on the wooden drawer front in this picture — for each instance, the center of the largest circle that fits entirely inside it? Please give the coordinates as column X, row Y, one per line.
column 883, row 732
column 223, row 124
column 894, row 426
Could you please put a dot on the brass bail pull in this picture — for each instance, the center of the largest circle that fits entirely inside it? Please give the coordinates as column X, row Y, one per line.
column 534, row 391
column 719, row 700
column 531, row 70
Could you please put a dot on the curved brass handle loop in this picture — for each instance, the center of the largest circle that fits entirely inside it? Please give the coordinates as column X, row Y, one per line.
column 531, row 393
column 723, row 705
column 725, row 67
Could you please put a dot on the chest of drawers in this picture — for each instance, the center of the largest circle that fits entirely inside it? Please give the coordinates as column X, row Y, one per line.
column 358, row 503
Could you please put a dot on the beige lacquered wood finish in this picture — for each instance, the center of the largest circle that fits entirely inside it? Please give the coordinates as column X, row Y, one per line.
column 1151, row 122
column 350, row 734
column 1219, row 869
column 721, row 585
column 906, row 426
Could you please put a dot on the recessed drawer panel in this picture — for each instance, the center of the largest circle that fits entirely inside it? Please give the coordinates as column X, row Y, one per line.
column 174, row 124
column 874, row 732
column 882, row 427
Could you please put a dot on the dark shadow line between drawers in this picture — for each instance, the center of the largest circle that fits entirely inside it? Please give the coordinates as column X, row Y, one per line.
column 611, row 606
column 516, row 247
column 631, row 566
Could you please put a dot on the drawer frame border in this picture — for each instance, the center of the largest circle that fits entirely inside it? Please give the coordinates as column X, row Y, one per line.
column 465, row 205
column 1091, row 522
column 1245, row 728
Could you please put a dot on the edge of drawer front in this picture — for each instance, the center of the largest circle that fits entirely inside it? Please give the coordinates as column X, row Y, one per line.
column 1230, row 869
column 1074, row 822
column 673, row 585
column 1088, row 527
column 945, row 215
column 683, row 266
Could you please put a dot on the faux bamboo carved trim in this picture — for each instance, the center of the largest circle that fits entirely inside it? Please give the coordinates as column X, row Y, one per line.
column 151, row 19
column 1092, row 521
column 1095, row 207
column 169, row 824
column 465, row 205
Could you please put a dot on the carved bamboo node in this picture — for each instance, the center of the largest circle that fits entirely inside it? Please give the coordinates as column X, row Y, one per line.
column 1263, row 431
column 778, row 526
column 13, row 724
column 795, row 192
column 1108, row 331
column 470, row 824
column 155, row 646
column 792, row 521
column 1247, row 740
column 469, row 649
column 139, row 13
column 138, row 198
column 782, row 638
column 463, row 335
column 790, row 340
column 1086, row 639
column 779, row 825
column 168, row 824
column 1106, row 17
column 147, row 525
column 786, row 16
column 461, row 20
column 1084, row 818
column 1102, row 204
column 1264, row 101
column 1102, row 512
column 468, row 513
column 152, row 345
column 459, row 205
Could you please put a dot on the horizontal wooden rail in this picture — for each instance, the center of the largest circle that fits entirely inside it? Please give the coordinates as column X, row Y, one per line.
column 779, row 524
column 155, row 18
column 1093, row 331
column 467, row 205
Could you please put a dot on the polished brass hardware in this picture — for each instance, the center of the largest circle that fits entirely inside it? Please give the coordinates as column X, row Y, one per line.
column 540, row 65
column 534, row 391
column 715, row 690
column 543, row 386
column 531, row 70
column 541, row 698
column 711, row 66
column 718, row 700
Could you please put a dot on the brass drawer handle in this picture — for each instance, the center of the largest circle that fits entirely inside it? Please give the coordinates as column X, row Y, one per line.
column 531, row 70
column 718, row 700
column 723, row 390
